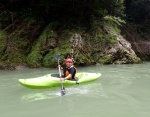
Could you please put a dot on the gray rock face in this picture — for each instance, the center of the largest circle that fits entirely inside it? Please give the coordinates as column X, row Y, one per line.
column 119, row 53
column 77, row 41
column 142, row 48
column 122, row 52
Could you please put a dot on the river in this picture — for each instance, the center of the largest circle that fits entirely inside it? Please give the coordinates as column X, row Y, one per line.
column 121, row 91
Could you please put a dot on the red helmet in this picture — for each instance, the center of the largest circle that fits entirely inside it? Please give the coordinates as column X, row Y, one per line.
column 68, row 60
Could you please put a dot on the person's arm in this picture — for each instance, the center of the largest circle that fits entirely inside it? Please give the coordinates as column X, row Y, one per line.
column 68, row 77
column 72, row 71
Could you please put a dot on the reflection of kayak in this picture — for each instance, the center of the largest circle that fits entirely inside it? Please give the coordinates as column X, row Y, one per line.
column 50, row 81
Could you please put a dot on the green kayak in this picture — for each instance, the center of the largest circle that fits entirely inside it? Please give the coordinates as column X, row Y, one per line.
column 52, row 80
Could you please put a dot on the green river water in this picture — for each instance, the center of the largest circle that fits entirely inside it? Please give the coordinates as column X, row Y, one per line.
column 121, row 91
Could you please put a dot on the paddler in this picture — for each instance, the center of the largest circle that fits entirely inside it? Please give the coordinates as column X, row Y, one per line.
column 69, row 70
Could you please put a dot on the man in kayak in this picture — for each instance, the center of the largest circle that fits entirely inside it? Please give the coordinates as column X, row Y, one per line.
column 69, row 70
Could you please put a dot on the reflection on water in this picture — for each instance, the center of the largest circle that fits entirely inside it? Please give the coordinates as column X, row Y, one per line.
column 94, row 90
column 40, row 96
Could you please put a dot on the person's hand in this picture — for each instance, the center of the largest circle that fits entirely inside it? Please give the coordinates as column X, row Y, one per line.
column 59, row 66
column 62, row 79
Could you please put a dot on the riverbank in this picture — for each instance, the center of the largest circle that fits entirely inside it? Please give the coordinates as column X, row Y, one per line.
column 101, row 44
column 90, row 32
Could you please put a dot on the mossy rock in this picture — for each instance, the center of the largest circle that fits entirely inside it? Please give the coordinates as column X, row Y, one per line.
column 106, row 59
column 17, row 58
column 34, row 59
column 133, row 59
column 83, row 60
column 49, row 60
column 3, row 45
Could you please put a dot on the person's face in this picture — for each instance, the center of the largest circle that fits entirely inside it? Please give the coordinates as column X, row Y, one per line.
column 69, row 64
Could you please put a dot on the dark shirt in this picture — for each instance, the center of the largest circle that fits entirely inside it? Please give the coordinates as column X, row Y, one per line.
column 71, row 70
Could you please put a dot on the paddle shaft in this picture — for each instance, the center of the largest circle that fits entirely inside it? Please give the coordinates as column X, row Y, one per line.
column 60, row 75
column 62, row 87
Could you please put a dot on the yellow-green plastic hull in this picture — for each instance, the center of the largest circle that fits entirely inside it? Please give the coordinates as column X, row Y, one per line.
column 48, row 81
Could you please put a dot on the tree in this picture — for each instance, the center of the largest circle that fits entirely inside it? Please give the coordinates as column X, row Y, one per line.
column 138, row 10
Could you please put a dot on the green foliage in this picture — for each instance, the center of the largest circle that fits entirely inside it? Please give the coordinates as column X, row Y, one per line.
column 117, row 20
column 16, row 58
column 83, row 59
column 2, row 43
column 48, row 34
column 105, row 34
column 138, row 10
column 105, row 40
column 2, row 34
column 34, row 59
column 77, row 11
column 38, row 29
column 111, row 39
column 18, row 42
column 12, row 51
column 49, row 60
column 42, row 46
column 133, row 59
column 105, row 59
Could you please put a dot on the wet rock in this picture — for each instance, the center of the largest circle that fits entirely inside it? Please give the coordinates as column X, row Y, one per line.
column 7, row 66
column 20, row 67
column 2, row 65
column 97, row 64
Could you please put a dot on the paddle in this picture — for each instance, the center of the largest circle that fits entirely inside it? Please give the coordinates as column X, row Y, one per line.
column 57, row 56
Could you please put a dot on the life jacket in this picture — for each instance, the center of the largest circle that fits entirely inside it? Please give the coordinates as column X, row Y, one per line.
column 67, row 71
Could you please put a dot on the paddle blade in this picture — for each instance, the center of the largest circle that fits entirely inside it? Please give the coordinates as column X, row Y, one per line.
column 63, row 92
column 57, row 56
